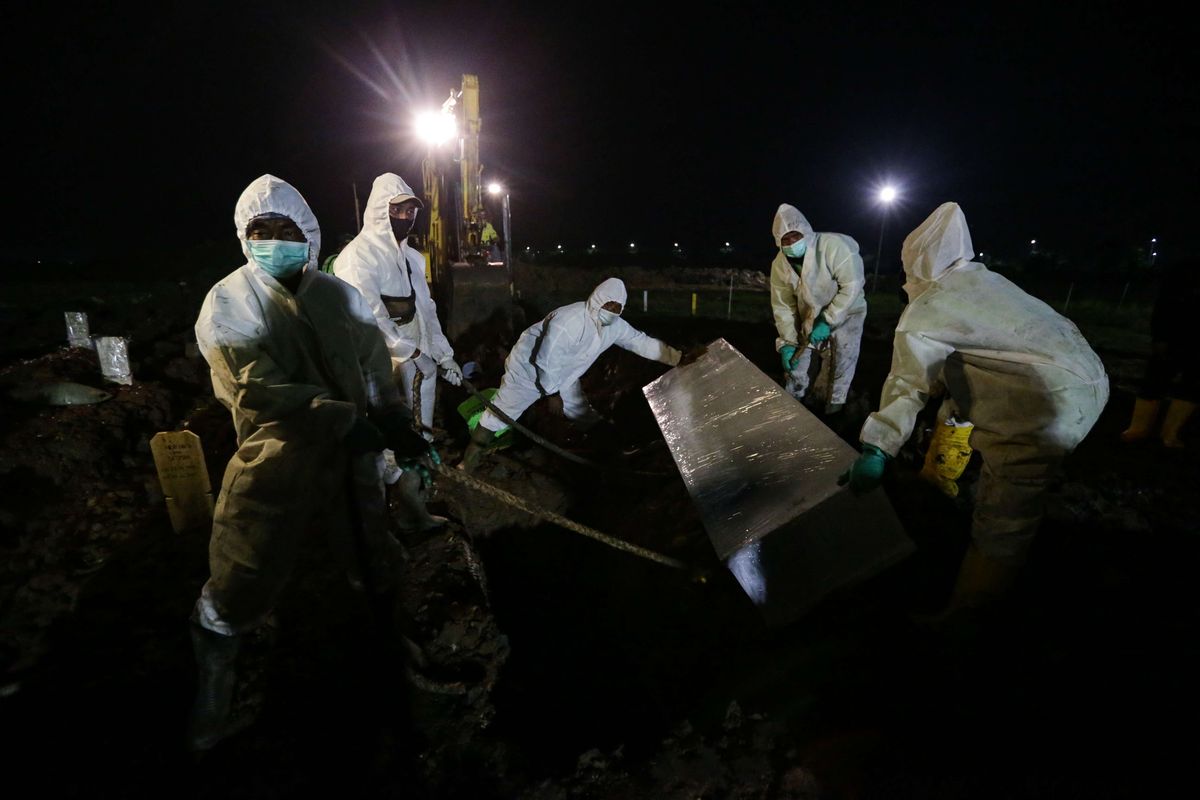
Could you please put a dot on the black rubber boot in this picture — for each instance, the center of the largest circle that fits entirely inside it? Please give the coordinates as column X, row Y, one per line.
column 481, row 438
column 413, row 516
column 216, row 657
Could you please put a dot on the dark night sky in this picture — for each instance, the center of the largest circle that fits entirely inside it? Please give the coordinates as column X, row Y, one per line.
column 1075, row 125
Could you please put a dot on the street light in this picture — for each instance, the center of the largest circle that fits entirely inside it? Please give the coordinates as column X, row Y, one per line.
column 887, row 195
column 495, row 189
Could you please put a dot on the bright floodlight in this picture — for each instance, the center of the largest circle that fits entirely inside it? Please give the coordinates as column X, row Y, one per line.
column 1033, row 241
column 887, row 194
column 495, row 188
column 434, row 127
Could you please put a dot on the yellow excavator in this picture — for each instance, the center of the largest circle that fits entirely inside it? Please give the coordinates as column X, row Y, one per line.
column 455, row 253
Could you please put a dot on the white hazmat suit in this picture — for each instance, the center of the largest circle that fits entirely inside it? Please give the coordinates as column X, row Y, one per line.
column 552, row 355
column 829, row 284
column 295, row 370
column 391, row 277
column 1021, row 372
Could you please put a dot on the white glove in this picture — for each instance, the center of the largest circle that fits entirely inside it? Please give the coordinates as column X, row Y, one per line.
column 451, row 371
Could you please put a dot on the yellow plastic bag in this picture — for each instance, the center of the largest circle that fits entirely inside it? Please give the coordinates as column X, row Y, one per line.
column 948, row 454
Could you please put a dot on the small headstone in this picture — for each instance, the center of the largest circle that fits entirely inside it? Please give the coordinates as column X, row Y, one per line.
column 78, row 334
column 183, row 476
column 114, row 359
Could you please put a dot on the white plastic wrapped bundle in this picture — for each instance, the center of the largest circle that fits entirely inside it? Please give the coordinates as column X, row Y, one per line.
column 78, row 334
column 114, row 359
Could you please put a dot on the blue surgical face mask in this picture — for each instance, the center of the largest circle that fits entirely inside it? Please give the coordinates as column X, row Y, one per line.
column 608, row 317
column 279, row 259
column 796, row 250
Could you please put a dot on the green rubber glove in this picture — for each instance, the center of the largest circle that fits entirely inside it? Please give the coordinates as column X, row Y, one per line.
column 820, row 331
column 787, row 354
column 866, row 472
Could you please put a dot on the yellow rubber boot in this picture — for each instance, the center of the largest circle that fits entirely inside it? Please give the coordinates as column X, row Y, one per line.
column 948, row 455
column 1145, row 418
column 1178, row 413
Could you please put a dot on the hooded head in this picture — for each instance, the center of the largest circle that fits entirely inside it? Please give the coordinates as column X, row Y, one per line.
column 788, row 218
column 270, row 195
column 388, row 188
column 938, row 245
column 611, row 290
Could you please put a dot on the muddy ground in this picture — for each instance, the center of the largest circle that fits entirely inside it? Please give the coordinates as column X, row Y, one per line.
column 597, row 674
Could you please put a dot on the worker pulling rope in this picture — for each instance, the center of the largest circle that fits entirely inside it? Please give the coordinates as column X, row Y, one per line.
column 460, row 477
column 507, row 420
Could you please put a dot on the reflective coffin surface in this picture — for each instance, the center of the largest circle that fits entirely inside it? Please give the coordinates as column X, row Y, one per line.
column 762, row 470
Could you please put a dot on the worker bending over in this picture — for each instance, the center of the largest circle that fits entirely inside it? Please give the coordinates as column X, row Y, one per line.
column 552, row 355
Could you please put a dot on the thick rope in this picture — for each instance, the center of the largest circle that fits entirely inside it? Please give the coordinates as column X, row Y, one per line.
column 507, row 420
column 461, row 477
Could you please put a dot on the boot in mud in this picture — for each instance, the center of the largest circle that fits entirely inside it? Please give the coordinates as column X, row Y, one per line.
column 211, row 720
column 413, row 515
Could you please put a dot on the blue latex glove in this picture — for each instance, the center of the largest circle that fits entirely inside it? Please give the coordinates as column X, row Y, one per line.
column 866, row 472
column 787, row 354
column 820, row 331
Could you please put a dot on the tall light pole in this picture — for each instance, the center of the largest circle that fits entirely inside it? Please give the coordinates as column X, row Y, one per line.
column 495, row 189
column 886, row 196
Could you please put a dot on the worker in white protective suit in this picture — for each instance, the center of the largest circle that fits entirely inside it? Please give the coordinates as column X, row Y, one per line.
column 552, row 355
column 297, row 359
column 391, row 277
column 1022, row 373
column 819, row 306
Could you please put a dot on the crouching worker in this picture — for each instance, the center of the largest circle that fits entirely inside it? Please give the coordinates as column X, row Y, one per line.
column 1021, row 372
column 296, row 357
column 552, row 355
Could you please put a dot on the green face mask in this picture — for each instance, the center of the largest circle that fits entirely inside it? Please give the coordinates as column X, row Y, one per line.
column 796, row 250
column 278, row 258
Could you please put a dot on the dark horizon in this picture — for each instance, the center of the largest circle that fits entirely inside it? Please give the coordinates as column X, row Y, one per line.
column 1073, row 126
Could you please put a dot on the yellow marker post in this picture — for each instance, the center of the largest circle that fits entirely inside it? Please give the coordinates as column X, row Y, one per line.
column 183, row 476
column 693, row 304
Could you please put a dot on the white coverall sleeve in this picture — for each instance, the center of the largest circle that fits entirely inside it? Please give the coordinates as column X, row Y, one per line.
column 847, row 270
column 374, row 358
column 783, row 307
column 633, row 340
column 262, row 392
column 367, row 283
column 917, row 363
column 433, row 327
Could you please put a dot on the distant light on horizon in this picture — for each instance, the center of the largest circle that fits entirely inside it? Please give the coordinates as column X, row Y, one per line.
column 1033, row 241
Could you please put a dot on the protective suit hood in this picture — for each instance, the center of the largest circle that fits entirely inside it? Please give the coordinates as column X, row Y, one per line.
column 788, row 218
column 271, row 195
column 939, row 245
column 387, row 188
column 612, row 289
